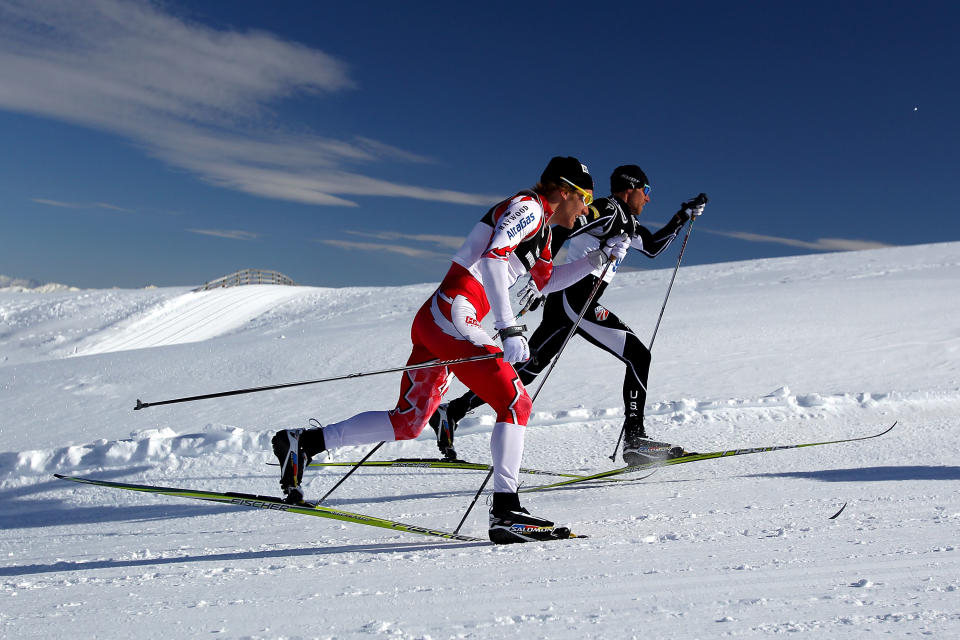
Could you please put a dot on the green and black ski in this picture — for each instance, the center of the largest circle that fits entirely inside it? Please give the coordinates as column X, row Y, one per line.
column 436, row 463
column 275, row 504
column 606, row 476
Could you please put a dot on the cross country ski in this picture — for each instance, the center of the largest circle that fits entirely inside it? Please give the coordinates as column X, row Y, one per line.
column 434, row 463
column 530, row 532
column 608, row 476
column 274, row 504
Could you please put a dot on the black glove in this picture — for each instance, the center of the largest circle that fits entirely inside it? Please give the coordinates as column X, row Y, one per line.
column 692, row 208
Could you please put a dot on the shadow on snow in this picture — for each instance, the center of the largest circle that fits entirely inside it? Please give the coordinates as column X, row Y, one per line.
column 406, row 547
column 871, row 474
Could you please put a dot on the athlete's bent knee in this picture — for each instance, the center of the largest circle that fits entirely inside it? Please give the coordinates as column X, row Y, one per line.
column 518, row 412
column 406, row 427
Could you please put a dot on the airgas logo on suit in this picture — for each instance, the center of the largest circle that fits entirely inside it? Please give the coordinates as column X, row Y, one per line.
column 520, row 226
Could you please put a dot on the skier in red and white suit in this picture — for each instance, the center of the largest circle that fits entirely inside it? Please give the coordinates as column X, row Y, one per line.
column 512, row 239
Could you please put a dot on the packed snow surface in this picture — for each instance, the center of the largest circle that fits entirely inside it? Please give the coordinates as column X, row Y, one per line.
column 769, row 352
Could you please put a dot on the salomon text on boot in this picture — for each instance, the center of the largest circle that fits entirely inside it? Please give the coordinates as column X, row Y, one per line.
column 510, row 523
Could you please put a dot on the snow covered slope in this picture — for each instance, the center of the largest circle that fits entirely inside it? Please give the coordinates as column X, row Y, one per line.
column 750, row 354
column 191, row 317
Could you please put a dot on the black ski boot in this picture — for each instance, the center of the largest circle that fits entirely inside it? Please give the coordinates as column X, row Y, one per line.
column 294, row 449
column 639, row 449
column 510, row 523
column 444, row 422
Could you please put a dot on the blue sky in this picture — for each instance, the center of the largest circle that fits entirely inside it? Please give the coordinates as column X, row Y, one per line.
column 173, row 142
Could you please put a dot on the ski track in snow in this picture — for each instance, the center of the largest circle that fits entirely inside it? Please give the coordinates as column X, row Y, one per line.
column 751, row 354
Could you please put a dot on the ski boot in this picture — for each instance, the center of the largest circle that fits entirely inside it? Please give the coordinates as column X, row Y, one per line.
column 510, row 523
column 444, row 425
column 639, row 449
column 288, row 446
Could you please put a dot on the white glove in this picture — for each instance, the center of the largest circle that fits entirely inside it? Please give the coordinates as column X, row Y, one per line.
column 616, row 248
column 530, row 297
column 613, row 249
column 515, row 349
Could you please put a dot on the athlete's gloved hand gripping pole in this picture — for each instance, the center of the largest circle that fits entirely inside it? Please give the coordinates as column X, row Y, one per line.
column 692, row 209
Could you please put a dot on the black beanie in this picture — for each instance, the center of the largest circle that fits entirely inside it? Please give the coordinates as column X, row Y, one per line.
column 569, row 168
column 628, row 176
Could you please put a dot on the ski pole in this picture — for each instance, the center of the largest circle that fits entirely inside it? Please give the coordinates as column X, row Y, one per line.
column 573, row 330
column 349, row 473
column 700, row 199
column 412, row 367
column 670, row 286
column 474, row 501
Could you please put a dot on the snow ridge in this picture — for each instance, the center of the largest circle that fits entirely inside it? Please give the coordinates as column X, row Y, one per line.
column 166, row 448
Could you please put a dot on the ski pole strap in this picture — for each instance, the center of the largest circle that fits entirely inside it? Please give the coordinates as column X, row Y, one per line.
column 509, row 332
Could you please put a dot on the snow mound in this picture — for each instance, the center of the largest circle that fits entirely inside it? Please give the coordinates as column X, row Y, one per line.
column 22, row 285
column 191, row 317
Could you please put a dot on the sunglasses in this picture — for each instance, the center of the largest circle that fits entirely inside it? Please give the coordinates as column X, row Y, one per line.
column 587, row 197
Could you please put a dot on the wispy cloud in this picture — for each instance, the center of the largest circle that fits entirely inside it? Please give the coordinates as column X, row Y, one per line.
column 230, row 234
column 58, row 203
column 410, row 252
column 79, row 205
column 196, row 97
column 821, row 244
column 112, row 207
column 447, row 242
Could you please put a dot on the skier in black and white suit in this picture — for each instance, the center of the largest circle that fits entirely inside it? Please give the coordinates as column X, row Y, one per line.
column 606, row 219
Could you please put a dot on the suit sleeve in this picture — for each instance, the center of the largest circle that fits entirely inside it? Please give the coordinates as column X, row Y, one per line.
column 519, row 220
column 652, row 244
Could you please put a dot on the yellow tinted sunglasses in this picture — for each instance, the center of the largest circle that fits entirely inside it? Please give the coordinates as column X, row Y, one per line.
column 587, row 197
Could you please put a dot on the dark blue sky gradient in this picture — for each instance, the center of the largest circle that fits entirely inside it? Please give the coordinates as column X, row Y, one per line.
column 803, row 122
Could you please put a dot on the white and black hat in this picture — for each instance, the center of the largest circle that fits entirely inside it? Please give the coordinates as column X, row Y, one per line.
column 628, row 176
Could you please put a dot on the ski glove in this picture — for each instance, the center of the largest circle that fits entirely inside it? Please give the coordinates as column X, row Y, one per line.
column 530, row 297
column 614, row 249
column 515, row 347
column 692, row 208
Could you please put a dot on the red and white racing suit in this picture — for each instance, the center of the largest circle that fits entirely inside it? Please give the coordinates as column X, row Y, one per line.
column 512, row 239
